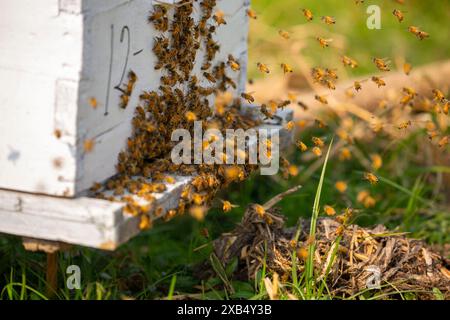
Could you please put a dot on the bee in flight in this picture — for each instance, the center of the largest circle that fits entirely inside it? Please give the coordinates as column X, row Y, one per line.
column 347, row 61
column 382, row 64
column 219, row 17
column 407, row 67
column 379, row 82
column 373, row 179
column 286, row 68
column 357, row 85
column 252, row 14
column 324, row 43
column 248, row 97
column 308, row 14
column 399, row 14
column 284, row 34
column 321, row 99
column 418, row 33
column 262, row 67
column 328, row 20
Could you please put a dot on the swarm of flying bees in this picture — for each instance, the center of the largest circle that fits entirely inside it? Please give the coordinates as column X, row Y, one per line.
column 179, row 101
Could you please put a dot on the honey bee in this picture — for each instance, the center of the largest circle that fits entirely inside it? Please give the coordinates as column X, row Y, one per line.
column 404, row 125
column 284, row 34
column 373, row 179
column 446, row 107
column 438, row 95
column 198, row 212
column 219, row 17
column 209, row 77
column 317, row 152
column 330, row 84
column 262, row 67
column 418, row 33
column 289, row 126
column 331, row 73
column 190, row 116
column 444, row 142
column 93, row 103
column 252, row 14
column 124, row 99
column 283, row 104
column 345, row 154
column 407, row 68
column 308, row 14
column 318, row 142
column 321, row 99
column 347, row 61
column 88, row 145
column 159, row 18
column 302, row 146
column 266, row 112
column 357, row 85
column 410, row 91
column 293, row 170
column 398, row 14
column 377, row 161
column 329, row 210
column 328, row 20
column 341, row 186
column 286, row 68
column 324, row 43
column 57, row 133
column 228, row 206
column 302, row 105
column 381, row 64
column 378, row 81
column 259, row 210
column 234, row 65
column 248, row 97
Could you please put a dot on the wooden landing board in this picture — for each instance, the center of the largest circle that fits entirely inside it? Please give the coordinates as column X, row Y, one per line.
column 87, row 221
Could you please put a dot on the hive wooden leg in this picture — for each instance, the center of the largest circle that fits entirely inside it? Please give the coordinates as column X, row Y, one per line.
column 51, row 249
column 52, row 274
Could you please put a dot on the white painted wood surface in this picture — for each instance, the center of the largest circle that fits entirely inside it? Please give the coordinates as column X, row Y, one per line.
column 91, row 222
column 55, row 55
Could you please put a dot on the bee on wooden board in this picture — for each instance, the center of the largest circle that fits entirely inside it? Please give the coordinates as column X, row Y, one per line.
column 232, row 62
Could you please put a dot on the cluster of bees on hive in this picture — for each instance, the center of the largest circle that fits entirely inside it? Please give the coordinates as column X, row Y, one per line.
column 177, row 103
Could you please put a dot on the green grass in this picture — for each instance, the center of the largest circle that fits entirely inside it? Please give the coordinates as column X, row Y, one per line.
column 160, row 263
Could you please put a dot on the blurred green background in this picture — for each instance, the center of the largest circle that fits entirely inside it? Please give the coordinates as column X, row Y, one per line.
column 350, row 33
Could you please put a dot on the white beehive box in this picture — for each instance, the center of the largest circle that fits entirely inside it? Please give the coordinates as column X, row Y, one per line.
column 55, row 55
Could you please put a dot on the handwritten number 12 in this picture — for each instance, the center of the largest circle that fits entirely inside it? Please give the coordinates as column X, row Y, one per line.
column 125, row 32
